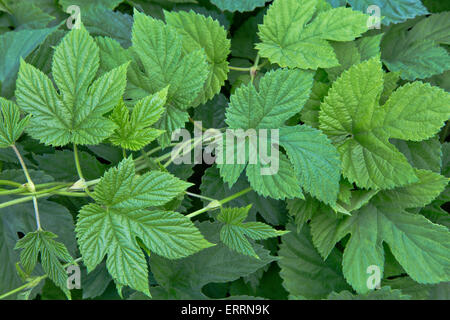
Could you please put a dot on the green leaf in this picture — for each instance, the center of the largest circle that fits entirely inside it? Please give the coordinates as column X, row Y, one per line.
column 351, row 116
column 41, row 244
column 393, row 12
column 41, row 58
column 134, row 132
column 159, row 48
column 415, row 51
column 304, row 272
column 385, row 293
column 200, row 32
column 112, row 224
column 417, row 244
column 316, row 161
column 302, row 210
column 107, row 23
column 310, row 113
column 76, row 114
column 242, row 42
column 239, row 5
column 89, row 4
column 11, row 126
column 414, row 195
column 290, row 39
column 282, row 93
column 29, row 15
column 406, row 117
column 212, row 113
column 61, row 165
column 119, row 188
column 20, row 218
column 235, row 229
column 350, row 53
column 181, row 278
column 273, row 211
column 14, row 46
column 425, row 154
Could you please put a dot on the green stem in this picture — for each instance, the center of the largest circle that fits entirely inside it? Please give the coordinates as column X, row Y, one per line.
column 10, row 183
column 254, row 69
column 193, row 122
column 240, row 69
column 77, row 162
column 29, row 198
column 79, row 171
column 31, row 284
column 199, row 196
column 30, row 186
column 216, row 204
column 14, row 191
column 236, row 195
column 145, row 155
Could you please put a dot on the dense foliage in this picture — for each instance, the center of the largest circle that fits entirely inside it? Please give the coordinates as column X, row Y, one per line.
column 92, row 93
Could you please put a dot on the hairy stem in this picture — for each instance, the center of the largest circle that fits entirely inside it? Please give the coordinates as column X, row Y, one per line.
column 31, row 187
column 240, row 69
column 79, row 171
column 216, row 204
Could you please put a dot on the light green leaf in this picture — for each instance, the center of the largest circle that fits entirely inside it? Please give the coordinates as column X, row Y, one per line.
column 414, row 195
column 415, row 112
column 316, row 161
column 110, row 227
column 159, row 49
column 119, row 188
column 200, row 32
column 77, row 113
column 290, row 39
column 11, row 126
column 52, row 254
column 420, row 246
column 281, row 185
column 282, row 93
column 134, row 132
column 351, row 116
